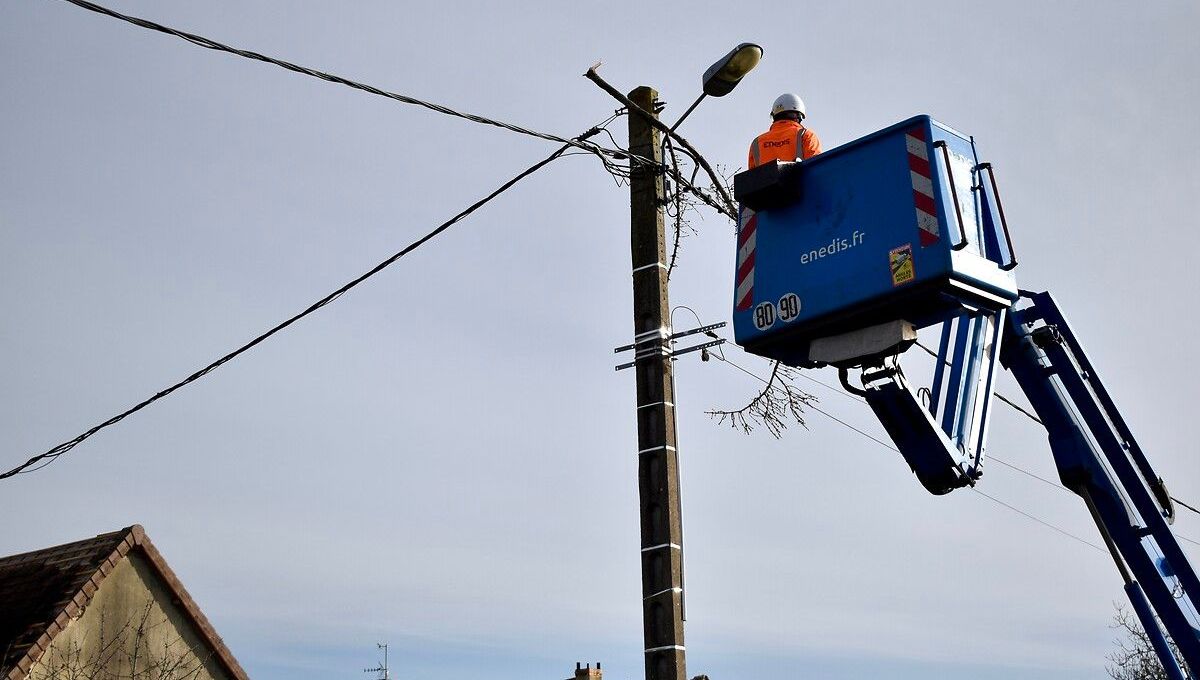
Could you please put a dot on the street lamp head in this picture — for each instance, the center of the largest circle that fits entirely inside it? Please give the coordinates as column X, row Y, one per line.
column 727, row 72
column 723, row 76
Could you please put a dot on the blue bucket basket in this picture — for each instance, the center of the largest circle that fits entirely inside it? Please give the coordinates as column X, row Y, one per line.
column 902, row 223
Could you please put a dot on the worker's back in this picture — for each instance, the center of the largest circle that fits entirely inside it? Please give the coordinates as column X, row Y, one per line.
column 787, row 140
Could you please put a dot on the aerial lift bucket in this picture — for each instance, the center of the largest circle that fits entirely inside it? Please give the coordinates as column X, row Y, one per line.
column 843, row 257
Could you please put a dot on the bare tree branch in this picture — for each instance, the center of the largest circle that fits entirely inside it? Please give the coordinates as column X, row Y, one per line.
column 125, row 654
column 1135, row 658
column 679, row 204
column 774, row 407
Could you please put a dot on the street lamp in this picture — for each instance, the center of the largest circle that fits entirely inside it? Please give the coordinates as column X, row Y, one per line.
column 725, row 74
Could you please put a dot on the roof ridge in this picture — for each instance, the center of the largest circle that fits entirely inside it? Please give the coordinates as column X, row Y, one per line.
column 26, row 556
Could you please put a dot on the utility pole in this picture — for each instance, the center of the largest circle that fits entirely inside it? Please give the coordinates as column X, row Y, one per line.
column 658, row 470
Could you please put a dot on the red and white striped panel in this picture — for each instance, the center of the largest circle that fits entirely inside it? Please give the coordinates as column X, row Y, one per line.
column 922, row 184
column 744, row 282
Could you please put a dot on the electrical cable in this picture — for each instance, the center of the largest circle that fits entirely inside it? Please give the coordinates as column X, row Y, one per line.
column 41, row 460
column 999, row 396
column 1027, row 473
column 1038, row 420
column 832, row 388
column 1185, row 505
column 893, row 448
column 843, row 393
column 754, row 375
column 836, row 390
column 1001, row 461
column 990, row 456
column 1019, row 408
column 210, row 44
column 1040, row 521
column 1009, row 465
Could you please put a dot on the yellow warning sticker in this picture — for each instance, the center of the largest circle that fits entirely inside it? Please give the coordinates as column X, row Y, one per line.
column 901, row 262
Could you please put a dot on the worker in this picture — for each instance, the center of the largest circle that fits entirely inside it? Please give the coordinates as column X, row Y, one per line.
column 788, row 139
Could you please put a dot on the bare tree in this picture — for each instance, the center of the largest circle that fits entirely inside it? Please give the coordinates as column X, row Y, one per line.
column 1135, row 658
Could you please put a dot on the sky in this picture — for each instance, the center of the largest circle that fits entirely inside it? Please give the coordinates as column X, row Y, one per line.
column 444, row 459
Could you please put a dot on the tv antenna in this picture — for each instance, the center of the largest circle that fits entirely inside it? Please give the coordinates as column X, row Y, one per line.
column 381, row 669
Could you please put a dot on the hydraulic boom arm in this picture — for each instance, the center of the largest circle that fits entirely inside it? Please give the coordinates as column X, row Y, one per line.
column 1098, row 458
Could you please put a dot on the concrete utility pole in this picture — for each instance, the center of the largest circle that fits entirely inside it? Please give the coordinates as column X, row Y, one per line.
column 658, row 471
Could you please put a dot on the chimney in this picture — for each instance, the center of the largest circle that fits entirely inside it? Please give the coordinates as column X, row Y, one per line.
column 583, row 672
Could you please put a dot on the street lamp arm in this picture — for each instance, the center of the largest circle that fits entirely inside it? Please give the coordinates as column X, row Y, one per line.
column 689, row 111
column 730, row 206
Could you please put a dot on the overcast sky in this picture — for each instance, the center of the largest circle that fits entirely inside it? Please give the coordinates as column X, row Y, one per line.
column 444, row 459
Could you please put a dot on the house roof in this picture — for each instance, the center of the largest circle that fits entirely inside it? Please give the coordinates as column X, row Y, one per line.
column 42, row 591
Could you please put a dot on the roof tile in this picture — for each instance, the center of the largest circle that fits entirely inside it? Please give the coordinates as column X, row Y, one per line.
column 34, row 588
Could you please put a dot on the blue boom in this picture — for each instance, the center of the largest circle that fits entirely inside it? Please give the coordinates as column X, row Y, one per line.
column 843, row 258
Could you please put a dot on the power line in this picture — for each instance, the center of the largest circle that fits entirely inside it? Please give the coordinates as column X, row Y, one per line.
column 1038, row 420
column 1019, row 408
column 993, row 457
column 1185, row 505
column 210, row 44
column 41, row 460
column 893, row 448
column 815, row 408
column 831, row 388
column 1027, row 473
column 1040, row 521
column 990, row 456
column 841, row 392
column 999, row 396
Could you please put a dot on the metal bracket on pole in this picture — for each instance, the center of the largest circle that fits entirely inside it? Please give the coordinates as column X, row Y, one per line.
column 654, row 345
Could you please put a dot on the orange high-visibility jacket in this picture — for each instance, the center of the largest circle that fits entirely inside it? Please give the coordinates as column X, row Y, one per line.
column 781, row 142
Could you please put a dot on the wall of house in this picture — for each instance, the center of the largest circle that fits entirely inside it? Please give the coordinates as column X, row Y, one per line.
column 131, row 630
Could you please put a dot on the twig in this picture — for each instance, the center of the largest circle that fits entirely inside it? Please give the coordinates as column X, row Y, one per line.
column 777, row 403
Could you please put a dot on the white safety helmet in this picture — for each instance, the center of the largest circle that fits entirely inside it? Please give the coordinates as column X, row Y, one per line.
column 788, row 102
